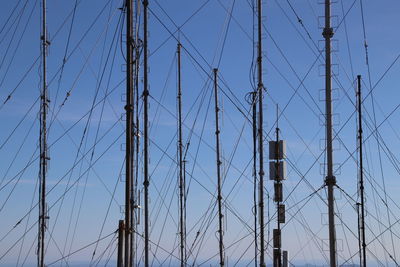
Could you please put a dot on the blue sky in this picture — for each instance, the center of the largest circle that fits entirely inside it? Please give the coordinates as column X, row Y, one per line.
column 211, row 38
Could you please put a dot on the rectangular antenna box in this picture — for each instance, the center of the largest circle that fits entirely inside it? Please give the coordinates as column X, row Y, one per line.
column 278, row 193
column 277, row 238
column 277, row 170
column 277, row 150
column 277, row 256
column 281, row 213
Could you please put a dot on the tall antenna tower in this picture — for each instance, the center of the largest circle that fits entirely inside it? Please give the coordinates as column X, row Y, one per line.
column 260, row 88
column 182, row 188
column 135, row 218
column 219, row 179
column 330, row 180
column 146, row 138
column 43, row 142
column 360, row 144
column 129, row 137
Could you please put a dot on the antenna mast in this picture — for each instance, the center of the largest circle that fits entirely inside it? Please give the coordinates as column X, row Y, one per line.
column 254, row 122
column 129, row 140
column 277, row 151
column 135, row 193
column 260, row 88
column 360, row 141
column 146, row 139
column 43, row 142
column 330, row 180
column 182, row 188
column 219, row 162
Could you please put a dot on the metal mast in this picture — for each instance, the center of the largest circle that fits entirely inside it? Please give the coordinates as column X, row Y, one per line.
column 129, row 131
column 254, row 122
column 146, row 139
column 360, row 141
column 330, row 180
column 135, row 192
column 43, row 142
column 219, row 162
column 181, row 168
column 277, row 166
column 260, row 88
column 278, row 200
